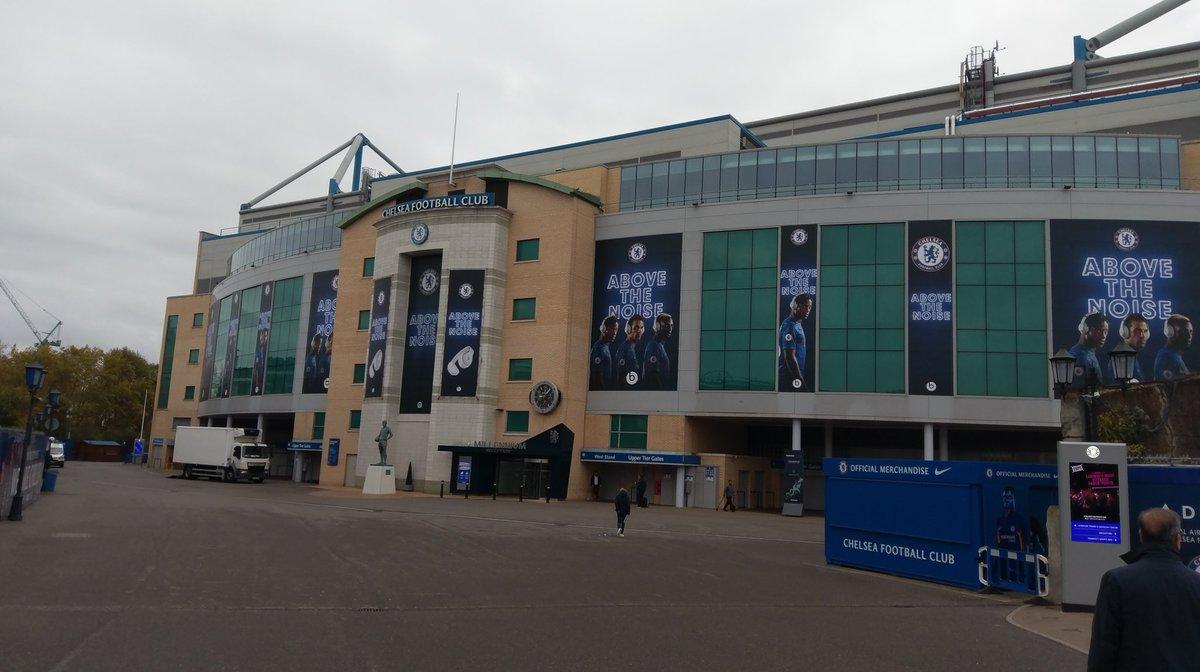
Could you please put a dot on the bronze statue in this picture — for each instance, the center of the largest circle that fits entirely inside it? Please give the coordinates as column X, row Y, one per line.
column 385, row 433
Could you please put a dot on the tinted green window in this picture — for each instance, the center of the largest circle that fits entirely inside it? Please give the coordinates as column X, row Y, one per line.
column 197, row 319
column 524, row 309
column 164, row 383
column 527, row 250
column 360, row 373
column 318, row 429
column 627, row 432
column 516, row 422
column 222, row 347
column 368, row 267
column 189, row 392
column 194, row 356
column 355, row 419
column 1000, row 304
column 364, row 319
column 738, row 311
column 281, row 350
column 862, row 308
column 247, row 338
column 520, row 369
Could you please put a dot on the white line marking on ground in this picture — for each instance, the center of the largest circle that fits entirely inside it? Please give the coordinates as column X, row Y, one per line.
column 1052, row 638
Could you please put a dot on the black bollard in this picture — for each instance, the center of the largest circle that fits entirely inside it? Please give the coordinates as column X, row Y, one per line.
column 521, row 497
column 547, row 493
column 493, row 492
column 442, row 490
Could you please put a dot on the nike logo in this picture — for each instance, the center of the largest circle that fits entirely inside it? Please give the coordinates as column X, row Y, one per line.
column 939, row 472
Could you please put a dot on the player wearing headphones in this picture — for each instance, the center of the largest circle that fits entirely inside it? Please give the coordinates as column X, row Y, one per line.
column 1093, row 332
column 1169, row 363
column 629, row 368
column 793, row 346
column 658, row 365
column 1135, row 331
column 601, row 376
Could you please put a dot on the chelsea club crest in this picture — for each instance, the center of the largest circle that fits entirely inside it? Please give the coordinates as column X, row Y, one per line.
column 428, row 283
column 930, row 254
column 420, row 233
column 799, row 237
column 637, row 253
column 465, row 290
column 1126, row 239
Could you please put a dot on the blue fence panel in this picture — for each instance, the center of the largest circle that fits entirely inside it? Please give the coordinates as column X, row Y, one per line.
column 1174, row 487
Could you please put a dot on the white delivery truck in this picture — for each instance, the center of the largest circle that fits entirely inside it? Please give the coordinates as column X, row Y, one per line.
column 227, row 453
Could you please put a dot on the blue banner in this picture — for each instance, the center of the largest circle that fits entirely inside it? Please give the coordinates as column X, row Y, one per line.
column 930, row 308
column 1176, row 488
column 235, row 313
column 1126, row 280
column 463, row 475
column 1015, row 499
column 635, row 308
column 420, row 334
column 335, row 450
column 381, row 303
column 464, row 320
column 258, row 375
column 796, row 341
column 319, row 344
column 639, row 457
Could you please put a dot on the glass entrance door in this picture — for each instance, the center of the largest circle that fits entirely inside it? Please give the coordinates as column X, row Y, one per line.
column 533, row 472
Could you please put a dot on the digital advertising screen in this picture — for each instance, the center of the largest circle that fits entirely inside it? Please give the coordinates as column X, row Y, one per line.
column 796, row 346
column 635, row 313
column 1131, row 281
column 262, row 339
column 1095, row 503
column 319, row 344
column 210, row 351
column 235, row 317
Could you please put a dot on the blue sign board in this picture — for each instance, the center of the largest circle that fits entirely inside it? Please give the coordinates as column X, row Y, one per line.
column 158, row 441
column 438, row 202
column 138, row 447
column 1177, row 488
column 335, row 449
column 925, row 519
column 639, row 457
column 463, row 477
column 305, row 445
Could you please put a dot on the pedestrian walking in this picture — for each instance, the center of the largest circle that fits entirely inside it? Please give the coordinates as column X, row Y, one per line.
column 641, row 491
column 622, row 506
column 729, row 505
column 1148, row 612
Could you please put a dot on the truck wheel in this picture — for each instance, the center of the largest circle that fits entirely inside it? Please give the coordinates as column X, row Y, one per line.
column 187, row 472
column 229, row 476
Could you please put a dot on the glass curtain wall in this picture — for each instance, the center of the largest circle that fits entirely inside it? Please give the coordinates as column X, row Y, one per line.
column 285, row 330
column 247, row 339
column 738, row 312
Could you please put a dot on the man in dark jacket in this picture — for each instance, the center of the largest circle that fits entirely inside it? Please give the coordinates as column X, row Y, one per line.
column 622, row 505
column 1148, row 613
column 641, row 491
column 729, row 505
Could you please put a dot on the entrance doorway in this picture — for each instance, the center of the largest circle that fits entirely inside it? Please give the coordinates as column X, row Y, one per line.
column 533, row 472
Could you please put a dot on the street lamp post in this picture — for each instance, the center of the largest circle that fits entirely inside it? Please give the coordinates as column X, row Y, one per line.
column 48, row 415
column 35, row 375
column 1123, row 357
column 1062, row 364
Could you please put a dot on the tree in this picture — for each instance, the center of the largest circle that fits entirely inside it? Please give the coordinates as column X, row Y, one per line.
column 102, row 391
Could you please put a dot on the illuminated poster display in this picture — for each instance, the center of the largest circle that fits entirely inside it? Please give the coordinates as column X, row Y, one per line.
column 796, row 342
column 1095, row 503
column 235, row 317
column 1129, row 281
column 319, row 344
column 464, row 320
column 930, row 309
column 635, row 308
column 210, row 347
column 381, row 303
column 420, row 334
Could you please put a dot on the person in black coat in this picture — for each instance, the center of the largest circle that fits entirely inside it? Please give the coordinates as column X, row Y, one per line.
column 622, row 505
column 641, row 491
column 1148, row 612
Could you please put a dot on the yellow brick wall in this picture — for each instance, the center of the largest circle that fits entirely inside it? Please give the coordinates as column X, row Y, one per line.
column 1189, row 168
column 183, row 374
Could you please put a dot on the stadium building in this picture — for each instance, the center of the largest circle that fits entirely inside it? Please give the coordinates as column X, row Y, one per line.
column 695, row 301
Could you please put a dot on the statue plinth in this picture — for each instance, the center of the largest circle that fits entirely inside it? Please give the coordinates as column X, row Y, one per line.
column 380, row 480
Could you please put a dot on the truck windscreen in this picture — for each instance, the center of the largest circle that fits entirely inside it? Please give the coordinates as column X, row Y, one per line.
column 254, row 451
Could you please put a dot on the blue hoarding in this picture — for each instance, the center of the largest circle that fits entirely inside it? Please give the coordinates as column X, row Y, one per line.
column 928, row 519
column 797, row 337
column 335, row 450
column 1135, row 281
column 319, row 343
column 1177, row 488
column 635, row 308
column 381, row 303
column 930, row 307
column 420, row 336
column 464, row 320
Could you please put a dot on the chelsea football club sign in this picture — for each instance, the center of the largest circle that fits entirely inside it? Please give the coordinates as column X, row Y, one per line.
column 930, row 309
column 441, row 202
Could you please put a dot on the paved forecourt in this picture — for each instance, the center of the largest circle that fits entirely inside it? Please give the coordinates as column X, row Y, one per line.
column 125, row 569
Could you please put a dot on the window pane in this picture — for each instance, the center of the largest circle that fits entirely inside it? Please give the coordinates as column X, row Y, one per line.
column 888, row 167
column 1170, row 163
column 693, row 179
column 825, row 169
column 360, row 373
column 1062, row 161
column 910, row 164
column 747, row 175
column 1018, row 162
column 364, row 319
column 1085, row 161
column 766, row 173
column 931, row 164
column 1039, row 162
column 658, row 184
column 729, row 177
column 1148, row 163
column 516, row 421
column 628, row 186
column 520, row 369
column 974, row 168
column 996, row 162
column 806, row 170
column 712, row 179
column 368, row 269
column 675, row 178
column 865, row 179
column 523, row 309
column 845, row 167
column 642, row 197
column 952, row 163
column 1127, row 163
column 785, row 172
column 528, row 250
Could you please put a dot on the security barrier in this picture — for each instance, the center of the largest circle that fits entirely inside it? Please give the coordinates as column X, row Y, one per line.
column 1013, row 570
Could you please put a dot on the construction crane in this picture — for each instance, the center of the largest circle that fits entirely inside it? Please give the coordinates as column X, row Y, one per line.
column 52, row 337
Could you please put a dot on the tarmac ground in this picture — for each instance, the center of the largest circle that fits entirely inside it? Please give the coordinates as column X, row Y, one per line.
column 125, row 569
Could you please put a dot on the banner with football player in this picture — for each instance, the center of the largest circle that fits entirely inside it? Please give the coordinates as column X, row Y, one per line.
column 635, row 305
column 797, row 338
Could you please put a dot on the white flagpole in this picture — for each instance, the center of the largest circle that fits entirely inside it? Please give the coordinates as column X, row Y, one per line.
column 453, row 139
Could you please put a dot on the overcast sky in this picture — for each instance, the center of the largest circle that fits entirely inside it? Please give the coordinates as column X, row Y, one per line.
column 128, row 127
